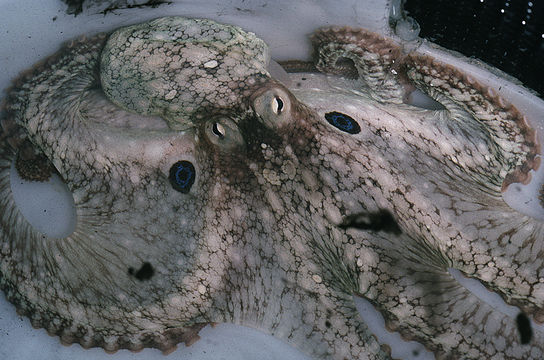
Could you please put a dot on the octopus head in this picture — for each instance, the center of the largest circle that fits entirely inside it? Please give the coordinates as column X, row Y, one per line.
column 172, row 67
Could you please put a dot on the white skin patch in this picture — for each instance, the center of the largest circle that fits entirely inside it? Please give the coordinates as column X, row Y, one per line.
column 211, row 64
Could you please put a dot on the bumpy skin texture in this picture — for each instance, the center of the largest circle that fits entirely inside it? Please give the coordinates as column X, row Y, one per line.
column 285, row 219
column 175, row 66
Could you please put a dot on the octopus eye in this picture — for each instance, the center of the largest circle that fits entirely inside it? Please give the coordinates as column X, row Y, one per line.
column 182, row 176
column 224, row 133
column 218, row 130
column 273, row 106
column 277, row 105
column 343, row 122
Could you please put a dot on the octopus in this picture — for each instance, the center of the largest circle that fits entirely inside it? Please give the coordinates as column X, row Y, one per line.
column 207, row 190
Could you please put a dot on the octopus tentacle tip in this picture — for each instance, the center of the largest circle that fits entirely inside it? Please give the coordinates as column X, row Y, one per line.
column 206, row 191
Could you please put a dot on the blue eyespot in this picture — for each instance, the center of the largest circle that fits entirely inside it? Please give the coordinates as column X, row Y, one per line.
column 182, row 176
column 343, row 122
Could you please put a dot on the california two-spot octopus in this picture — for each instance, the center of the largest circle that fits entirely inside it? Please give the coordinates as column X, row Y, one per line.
column 208, row 191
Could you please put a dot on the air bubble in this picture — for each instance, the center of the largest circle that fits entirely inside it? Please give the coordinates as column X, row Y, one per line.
column 407, row 29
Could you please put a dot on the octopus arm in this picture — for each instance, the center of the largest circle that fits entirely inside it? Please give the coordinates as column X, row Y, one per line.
column 101, row 285
column 503, row 249
column 271, row 284
column 458, row 191
column 78, row 287
column 463, row 157
column 359, row 53
column 390, row 72
column 455, row 204
column 321, row 323
column 514, row 137
column 408, row 281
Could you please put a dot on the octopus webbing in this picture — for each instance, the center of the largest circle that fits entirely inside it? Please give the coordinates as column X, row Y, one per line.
column 207, row 191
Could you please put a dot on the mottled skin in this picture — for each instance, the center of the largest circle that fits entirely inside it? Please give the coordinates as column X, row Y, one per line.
column 173, row 67
column 263, row 238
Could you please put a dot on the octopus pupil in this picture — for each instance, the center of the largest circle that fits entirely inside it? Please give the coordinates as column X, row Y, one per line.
column 343, row 122
column 217, row 131
column 279, row 103
column 182, row 176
